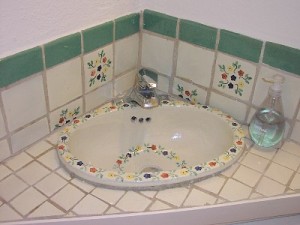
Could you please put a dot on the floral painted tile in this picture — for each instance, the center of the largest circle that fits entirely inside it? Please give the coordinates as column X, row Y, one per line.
column 189, row 91
column 98, row 67
column 65, row 114
column 234, row 77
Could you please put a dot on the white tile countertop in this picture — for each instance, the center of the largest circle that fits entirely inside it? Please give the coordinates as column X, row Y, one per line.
column 34, row 186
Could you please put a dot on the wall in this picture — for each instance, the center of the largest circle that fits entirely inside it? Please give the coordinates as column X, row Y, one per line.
column 38, row 22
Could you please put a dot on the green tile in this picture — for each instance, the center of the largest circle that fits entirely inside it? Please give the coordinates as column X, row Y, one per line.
column 198, row 34
column 160, row 23
column 62, row 49
column 282, row 57
column 127, row 25
column 97, row 36
column 240, row 45
column 20, row 65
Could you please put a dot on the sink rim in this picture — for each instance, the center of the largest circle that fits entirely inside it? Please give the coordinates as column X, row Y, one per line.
column 142, row 180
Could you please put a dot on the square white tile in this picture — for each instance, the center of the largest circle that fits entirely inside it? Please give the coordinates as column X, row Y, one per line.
column 51, row 184
column 255, row 162
column 295, row 184
column 99, row 96
column 90, row 205
column 291, row 147
column 234, row 108
column 30, row 97
column 268, row 187
column 247, row 176
column 33, row 173
column 108, row 195
column 125, row 82
column 157, row 53
column 68, row 196
column 213, row 184
column 46, row 210
column 286, row 159
column 199, row 198
column 133, row 202
column 50, row 159
column 29, row 135
column 64, row 83
column 126, row 54
column 279, row 173
column 15, row 184
column 28, row 200
column 98, row 67
column 174, row 196
column 296, row 132
column 234, row 191
column 158, row 205
column 8, row 214
column 38, row 148
column 195, row 63
column 234, row 77
column 18, row 161
column 85, row 186
column 4, row 171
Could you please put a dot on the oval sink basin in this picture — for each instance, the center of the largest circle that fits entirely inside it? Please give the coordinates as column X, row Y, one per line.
column 126, row 146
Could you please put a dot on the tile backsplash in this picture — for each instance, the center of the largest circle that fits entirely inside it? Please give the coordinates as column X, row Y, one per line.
column 45, row 87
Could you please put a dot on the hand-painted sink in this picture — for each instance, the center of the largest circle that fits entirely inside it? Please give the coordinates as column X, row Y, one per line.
column 125, row 146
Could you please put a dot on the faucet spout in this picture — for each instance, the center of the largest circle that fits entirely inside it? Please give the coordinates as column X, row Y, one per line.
column 144, row 90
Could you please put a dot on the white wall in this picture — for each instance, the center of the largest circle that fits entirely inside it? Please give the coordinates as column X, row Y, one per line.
column 28, row 23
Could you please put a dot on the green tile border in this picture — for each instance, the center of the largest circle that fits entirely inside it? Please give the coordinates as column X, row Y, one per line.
column 198, row 34
column 127, row 25
column 62, row 49
column 20, row 65
column 160, row 23
column 98, row 36
column 282, row 57
column 239, row 45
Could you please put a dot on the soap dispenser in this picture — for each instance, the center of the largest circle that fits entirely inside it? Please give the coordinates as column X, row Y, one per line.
column 267, row 125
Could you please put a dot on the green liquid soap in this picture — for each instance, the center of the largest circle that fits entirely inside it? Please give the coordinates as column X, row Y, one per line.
column 267, row 128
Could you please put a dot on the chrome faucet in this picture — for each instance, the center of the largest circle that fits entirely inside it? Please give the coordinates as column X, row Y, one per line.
column 144, row 90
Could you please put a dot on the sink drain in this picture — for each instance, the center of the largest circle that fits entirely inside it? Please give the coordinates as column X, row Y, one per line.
column 151, row 169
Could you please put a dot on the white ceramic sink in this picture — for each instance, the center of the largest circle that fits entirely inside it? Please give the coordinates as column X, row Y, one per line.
column 125, row 146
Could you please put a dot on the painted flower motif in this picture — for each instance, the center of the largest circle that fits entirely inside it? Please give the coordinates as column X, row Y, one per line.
column 147, row 175
column 111, row 175
column 93, row 170
column 233, row 77
column 61, row 147
column 66, row 116
column 184, row 172
column 186, row 94
column 130, row 177
column 212, row 164
column 239, row 142
column 153, row 147
column 198, row 168
column 80, row 163
column 164, row 175
column 98, row 68
column 119, row 162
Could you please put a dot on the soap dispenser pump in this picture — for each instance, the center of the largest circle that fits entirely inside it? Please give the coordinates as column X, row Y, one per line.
column 267, row 125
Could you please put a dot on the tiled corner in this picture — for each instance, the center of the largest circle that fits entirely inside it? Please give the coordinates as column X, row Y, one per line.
column 290, row 93
column 62, row 49
column 195, row 63
column 125, row 82
column 282, row 57
column 98, row 36
column 127, row 25
column 2, row 125
column 234, row 77
column 31, row 104
column 29, row 135
column 189, row 91
column 99, row 96
column 64, row 83
column 5, row 151
column 157, row 53
column 239, row 45
column 126, row 54
column 20, row 65
column 98, row 67
column 235, row 108
column 66, row 114
column 198, row 34
column 160, row 23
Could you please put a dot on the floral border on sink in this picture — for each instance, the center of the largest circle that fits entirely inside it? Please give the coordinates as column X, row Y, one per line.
column 227, row 157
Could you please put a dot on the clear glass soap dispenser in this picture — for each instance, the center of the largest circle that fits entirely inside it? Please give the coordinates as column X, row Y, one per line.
column 267, row 125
